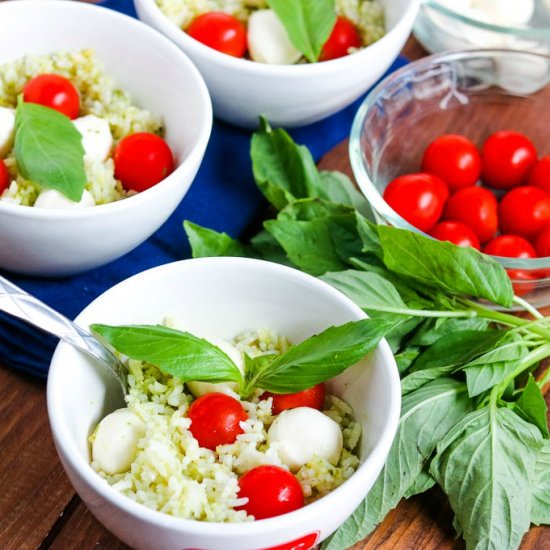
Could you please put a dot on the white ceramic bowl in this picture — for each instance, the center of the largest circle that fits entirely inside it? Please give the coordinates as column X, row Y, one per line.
column 288, row 95
column 160, row 78
column 218, row 298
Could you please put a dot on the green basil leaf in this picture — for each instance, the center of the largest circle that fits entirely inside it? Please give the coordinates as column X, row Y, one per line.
column 484, row 465
column 312, row 209
column 445, row 266
column 540, row 504
column 426, row 416
column 406, row 358
column 532, row 407
column 207, row 242
column 48, row 150
column 337, row 188
column 434, row 329
column 307, row 22
column 424, row 482
column 369, row 237
column 174, row 352
column 322, row 356
column 268, row 248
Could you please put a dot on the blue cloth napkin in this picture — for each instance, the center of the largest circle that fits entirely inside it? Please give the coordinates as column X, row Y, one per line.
column 223, row 197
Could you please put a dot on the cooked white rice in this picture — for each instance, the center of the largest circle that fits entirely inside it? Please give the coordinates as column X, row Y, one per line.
column 367, row 15
column 98, row 95
column 171, row 473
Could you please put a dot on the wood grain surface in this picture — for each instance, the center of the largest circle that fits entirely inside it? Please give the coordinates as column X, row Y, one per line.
column 39, row 509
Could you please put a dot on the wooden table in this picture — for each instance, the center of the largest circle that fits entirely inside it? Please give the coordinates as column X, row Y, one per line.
column 40, row 510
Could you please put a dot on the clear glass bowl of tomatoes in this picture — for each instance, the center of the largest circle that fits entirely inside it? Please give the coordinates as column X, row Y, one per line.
column 456, row 146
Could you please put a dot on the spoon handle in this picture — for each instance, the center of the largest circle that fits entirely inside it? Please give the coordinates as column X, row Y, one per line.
column 20, row 304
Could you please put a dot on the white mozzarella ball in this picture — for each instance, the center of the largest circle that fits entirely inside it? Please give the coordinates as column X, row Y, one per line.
column 116, row 440
column 300, row 434
column 230, row 388
column 7, row 129
column 506, row 12
column 50, row 198
column 97, row 140
column 268, row 41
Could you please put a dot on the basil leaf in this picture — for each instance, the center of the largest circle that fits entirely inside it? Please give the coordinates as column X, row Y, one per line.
column 532, row 407
column 426, row 416
column 421, row 484
column 48, row 150
column 339, row 189
column 484, row 465
column 369, row 237
column 434, row 329
column 206, row 242
column 268, row 248
column 406, row 358
column 307, row 22
column 445, row 266
column 540, row 504
column 322, row 356
column 174, row 352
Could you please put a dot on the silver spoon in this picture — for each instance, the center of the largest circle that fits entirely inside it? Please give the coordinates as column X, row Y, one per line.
column 21, row 304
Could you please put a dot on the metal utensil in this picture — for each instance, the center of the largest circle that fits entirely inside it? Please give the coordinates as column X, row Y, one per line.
column 21, row 304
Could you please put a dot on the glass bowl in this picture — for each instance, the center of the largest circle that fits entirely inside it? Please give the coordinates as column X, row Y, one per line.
column 439, row 27
column 474, row 93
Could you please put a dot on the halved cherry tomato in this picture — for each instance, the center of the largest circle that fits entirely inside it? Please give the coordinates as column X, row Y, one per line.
column 344, row 35
column 507, row 159
column 419, row 198
column 475, row 207
column 271, row 491
column 312, row 397
column 456, row 233
column 540, row 174
column 542, row 243
column 4, row 177
column 524, row 211
column 215, row 419
column 220, row 31
column 53, row 91
column 510, row 246
column 142, row 160
column 453, row 158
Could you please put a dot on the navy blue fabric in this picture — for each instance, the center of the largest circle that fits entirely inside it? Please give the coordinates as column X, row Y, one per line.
column 223, row 197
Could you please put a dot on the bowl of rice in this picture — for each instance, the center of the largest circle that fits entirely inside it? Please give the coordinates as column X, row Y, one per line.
column 81, row 45
column 175, row 494
column 288, row 90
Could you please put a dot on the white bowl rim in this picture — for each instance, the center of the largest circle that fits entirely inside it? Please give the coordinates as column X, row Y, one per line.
column 377, row 454
column 191, row 156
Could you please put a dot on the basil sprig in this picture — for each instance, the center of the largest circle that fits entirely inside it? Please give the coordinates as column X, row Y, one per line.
column 48, row 150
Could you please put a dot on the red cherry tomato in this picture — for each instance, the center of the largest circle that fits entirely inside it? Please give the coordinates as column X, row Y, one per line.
column 506, row 159
column 419, row 198
column 4, row 177
column 542, row 243
column 510, row 246
column 475, row 207
column 271, row 491
column 524, row 211
column 453, row 158
column 456, row 233
column 142, row 160
column 344, row 36
column 53, row 91
column 219, row 31
column 215, row 419
column 312, row 397
column 522, row 281
column 540, row 174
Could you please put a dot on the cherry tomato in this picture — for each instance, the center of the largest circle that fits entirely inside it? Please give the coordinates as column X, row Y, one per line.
column 453, row 158
column 524, row 211
column 475, row 207
column 312, row 397
column 4, row 177
column 344, row 36
column 271, row 491
column 455, row 232
column 215, row 419
column 540, row 174
column 506, row 159
column 542, row 243
column 142, row 160
column 522, row 281
column 220, row 31
column 53, row 91
column 510, row 246
column 419, row 198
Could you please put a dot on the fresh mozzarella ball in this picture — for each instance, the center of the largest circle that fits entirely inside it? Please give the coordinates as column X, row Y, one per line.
column 116, row 439
column 50, row 198
column 268, row 41
column 97, row 140
column 506, row 12
column 7, row 129
column 230, row 388
column 300, row 434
